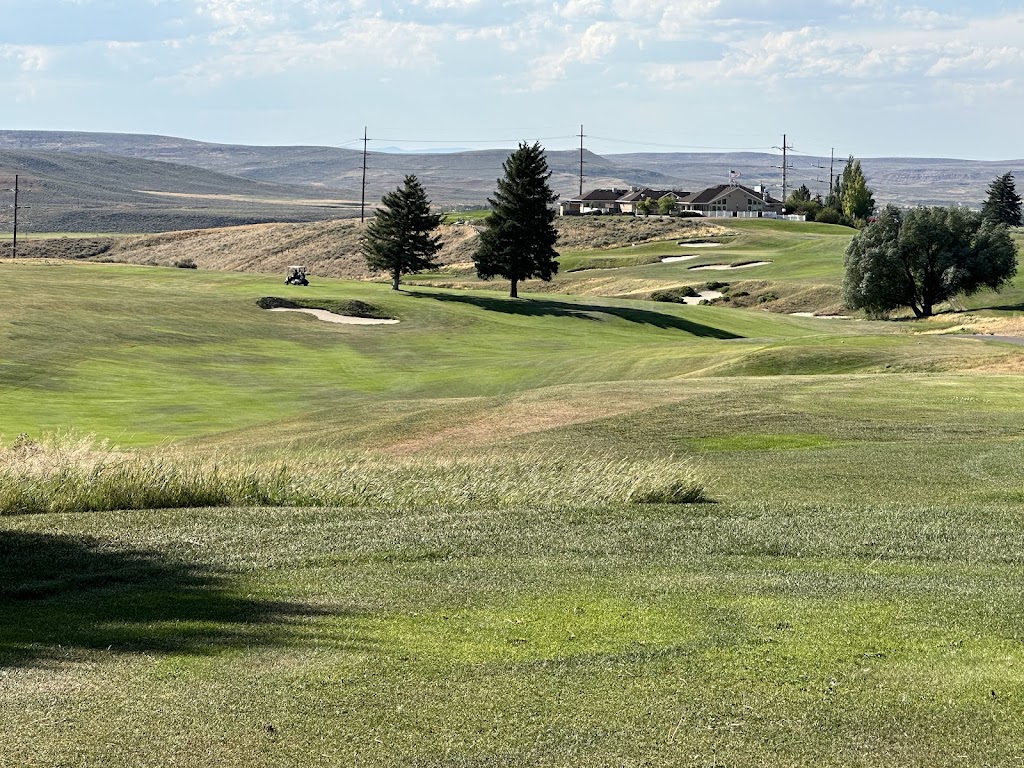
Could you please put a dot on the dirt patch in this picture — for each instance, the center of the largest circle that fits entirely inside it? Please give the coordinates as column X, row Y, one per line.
column 986, row 326
column 538, row 412
column 596, row 232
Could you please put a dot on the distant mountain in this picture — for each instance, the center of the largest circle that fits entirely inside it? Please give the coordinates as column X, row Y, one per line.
column 92, row 170
column 64, row 191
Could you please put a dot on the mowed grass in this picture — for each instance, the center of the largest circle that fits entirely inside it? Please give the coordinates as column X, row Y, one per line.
column 852, row 597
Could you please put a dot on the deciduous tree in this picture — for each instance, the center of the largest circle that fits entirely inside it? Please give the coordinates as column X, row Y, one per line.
column 857, row 200
column 923, row 256
column 400, row 240
column 519, row 235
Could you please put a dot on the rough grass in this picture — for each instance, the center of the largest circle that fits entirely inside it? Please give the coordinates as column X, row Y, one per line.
column 65, row 474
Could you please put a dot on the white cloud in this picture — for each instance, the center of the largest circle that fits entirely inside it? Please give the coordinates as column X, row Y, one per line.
column 29, row 58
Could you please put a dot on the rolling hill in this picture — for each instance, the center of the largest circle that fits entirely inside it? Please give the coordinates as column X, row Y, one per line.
column 467, row 178
column 81, row 192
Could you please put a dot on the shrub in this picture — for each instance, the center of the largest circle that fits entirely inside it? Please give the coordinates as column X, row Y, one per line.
column 675, row 294
column 274, row 302
column 715, row 285
column 828, row 216
column 186, row 263
column 764, row 298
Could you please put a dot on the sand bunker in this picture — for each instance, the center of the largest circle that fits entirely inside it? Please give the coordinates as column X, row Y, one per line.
column 725, row 267
column 821, row 317
column 330, row 317
column 700, row 245
column 704, row 295
column 670, row 259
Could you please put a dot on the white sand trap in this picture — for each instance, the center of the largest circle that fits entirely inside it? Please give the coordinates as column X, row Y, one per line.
column 709, row 295
column 670, row 259
column 700, row 245
column 727, row 267
column 821, row 317
column 330, row 317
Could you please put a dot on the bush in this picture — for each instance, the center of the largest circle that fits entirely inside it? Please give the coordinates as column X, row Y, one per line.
column 764, row 298
column 829, row 216
column 675, row 294
column 347, row 307
column 273, row 302
column 715, row 285
column 186, row 263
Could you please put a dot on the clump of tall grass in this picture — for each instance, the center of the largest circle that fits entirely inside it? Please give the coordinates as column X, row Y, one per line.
column 75, row 474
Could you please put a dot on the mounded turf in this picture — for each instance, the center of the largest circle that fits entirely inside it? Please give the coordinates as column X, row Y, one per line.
column 852, row 597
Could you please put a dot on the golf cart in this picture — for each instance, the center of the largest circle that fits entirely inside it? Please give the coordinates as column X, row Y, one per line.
column 296, row 276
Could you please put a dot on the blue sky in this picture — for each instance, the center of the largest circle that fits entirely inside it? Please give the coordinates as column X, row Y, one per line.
column 867, row 77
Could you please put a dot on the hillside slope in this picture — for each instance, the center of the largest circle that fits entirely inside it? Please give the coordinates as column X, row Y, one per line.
column 106, row 193
column 332, row 248
column 468, row 177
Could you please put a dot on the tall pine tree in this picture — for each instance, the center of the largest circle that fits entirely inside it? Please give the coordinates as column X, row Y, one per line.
column 399, row 240
column 1003, row 205
column 519, row 236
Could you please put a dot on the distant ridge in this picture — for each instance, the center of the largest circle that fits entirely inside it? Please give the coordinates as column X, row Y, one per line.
column 293, row 176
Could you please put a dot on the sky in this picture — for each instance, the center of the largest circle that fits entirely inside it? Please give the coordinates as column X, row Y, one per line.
column 872, row 78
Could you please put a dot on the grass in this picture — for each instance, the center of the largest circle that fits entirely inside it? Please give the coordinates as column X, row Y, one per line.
column 68, row 474
column 463, row 573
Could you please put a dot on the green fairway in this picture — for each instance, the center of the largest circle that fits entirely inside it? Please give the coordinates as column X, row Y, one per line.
column 850, row 597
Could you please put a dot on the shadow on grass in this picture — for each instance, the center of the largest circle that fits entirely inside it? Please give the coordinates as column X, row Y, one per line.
column 62, row 596
column 550, row 308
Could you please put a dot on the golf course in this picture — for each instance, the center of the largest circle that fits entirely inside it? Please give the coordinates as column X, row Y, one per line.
column 582, row 527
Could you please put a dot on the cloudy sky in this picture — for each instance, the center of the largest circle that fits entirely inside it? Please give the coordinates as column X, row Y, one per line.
column 867, row 77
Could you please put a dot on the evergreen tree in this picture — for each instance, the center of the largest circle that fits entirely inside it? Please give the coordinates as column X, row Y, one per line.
column 1003, row 205
column 858, row 202
column 519, row 236
column 399, row 240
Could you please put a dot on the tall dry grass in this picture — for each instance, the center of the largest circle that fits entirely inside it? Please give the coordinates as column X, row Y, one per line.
column 67, row 473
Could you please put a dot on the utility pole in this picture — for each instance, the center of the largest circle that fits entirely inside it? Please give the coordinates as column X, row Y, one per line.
column 582, row 136
column 14, row 243
column 17, row 207
column 362, row 200
column 785, row 165
column 831, row 171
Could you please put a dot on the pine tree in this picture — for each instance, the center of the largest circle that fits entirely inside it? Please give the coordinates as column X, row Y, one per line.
column 1003, row 205
column 519, row 236
column 399, row 240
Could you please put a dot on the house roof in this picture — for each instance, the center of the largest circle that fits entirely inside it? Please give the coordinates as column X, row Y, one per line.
column 594, row 195
column 711, row 194
column 654, row 194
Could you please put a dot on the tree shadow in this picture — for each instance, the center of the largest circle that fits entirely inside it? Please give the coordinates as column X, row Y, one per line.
column 551, row 308
column 64, row 596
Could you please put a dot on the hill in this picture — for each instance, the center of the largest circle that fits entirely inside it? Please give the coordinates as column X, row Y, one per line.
column 75, row 192
column 466, row 178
